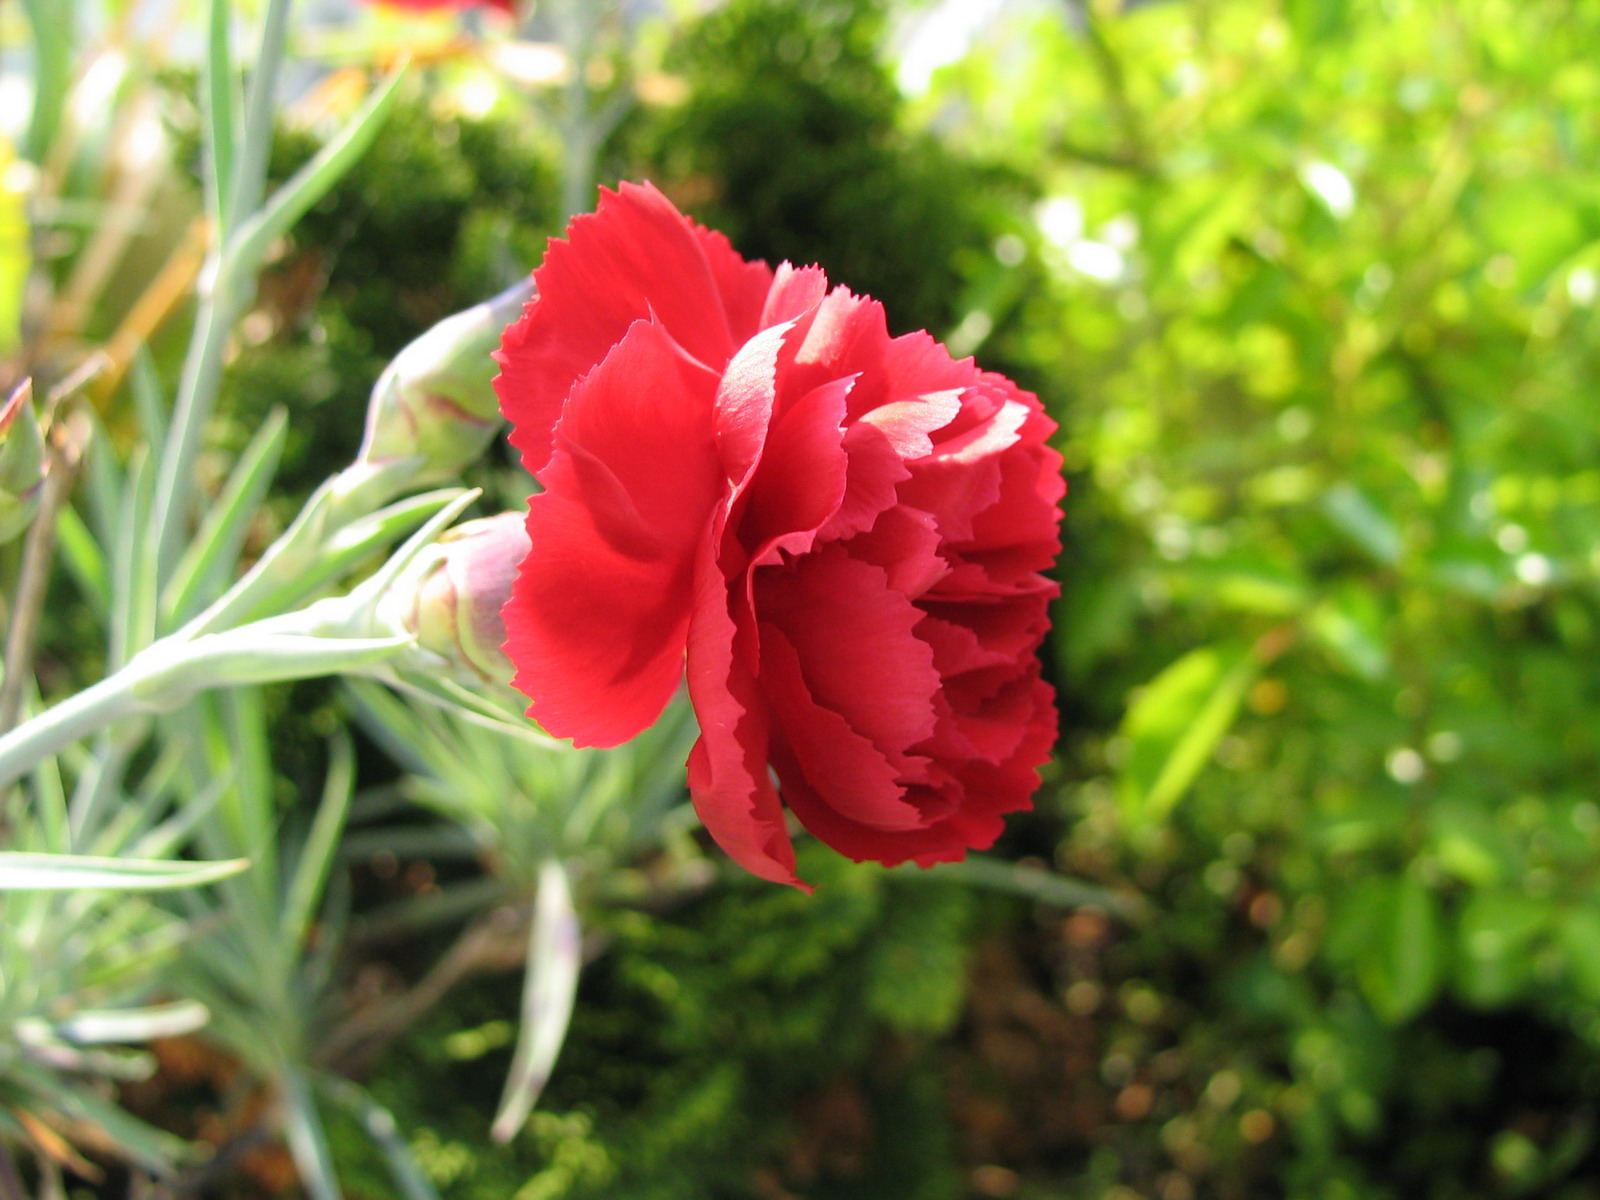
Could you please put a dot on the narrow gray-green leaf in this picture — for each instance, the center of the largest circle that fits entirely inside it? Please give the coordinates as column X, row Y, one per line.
column 248, row 249
column 155, row 1148
column 1035, row 883
column 381, row 1127
column 133, row 1024
column 308, row 1144
column 55, row 27
column 221, row 119
column 549, row 988
column 213, row 554
column 23, row 871
column 316, row 856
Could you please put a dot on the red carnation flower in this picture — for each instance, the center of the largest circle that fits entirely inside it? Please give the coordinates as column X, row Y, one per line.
column 838, row 534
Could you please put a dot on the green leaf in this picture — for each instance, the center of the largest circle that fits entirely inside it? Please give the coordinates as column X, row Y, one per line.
column 221, row 112
column 1401, row 964
column 1033, row 883
column 311, row 182
column 212, row 556
column 133, row 1024
column 316, row 856
column 133, row 588
column 308, row 556
column 1363, row 522
column 22, row 871
column 1174, row 724
column 1248, row 584
column 379, row 1124
column 550, row 986
column 253, row 143
column 81, row 555
column 1494, row 963
column 1578, row 933
column 149, row 401
column 55, row 28
column 308, row 1143
column 1465, row 843
column 1351, row 627
column 155, row 1148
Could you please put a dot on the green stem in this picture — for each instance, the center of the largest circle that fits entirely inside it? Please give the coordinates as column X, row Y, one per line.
column 577, row 24
column 197, row 391
column 33, row 580
column 202, row 370
column 56, row 728
column 296, row 558
column 169, row 672
column 249, row 181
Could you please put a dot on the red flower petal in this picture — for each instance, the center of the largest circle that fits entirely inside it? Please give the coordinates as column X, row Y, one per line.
column 801, row 481
column 983, row 792
column 637, row 257
column 744, row 404
column 838, row 762
column 879, row 446
column 728, row 780
column 904, row 541
column 794, row 292
column 857, row 646
column 597, row 619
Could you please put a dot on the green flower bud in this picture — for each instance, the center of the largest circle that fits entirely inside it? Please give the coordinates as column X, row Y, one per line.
column 450, row 597
column 22, row 462
column 434, row 405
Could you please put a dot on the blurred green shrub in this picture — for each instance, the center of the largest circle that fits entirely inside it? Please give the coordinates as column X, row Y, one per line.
column 791, row 142
column 1321, row 304
column 751, row 1033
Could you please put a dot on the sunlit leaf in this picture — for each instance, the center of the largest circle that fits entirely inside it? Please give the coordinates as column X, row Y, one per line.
column 1495, row 934
column 1355, row 513
column 1174, row 724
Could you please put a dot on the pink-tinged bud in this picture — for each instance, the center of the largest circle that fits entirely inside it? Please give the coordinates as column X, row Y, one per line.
column 451, row 596
column 434, row 405
column 22, row 462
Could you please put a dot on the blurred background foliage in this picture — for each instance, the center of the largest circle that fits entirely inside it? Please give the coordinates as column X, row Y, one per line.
column 1310, row 286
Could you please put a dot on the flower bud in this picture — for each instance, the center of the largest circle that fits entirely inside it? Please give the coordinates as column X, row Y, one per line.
column 450, row 597
column 434, row 404
column 22, row 462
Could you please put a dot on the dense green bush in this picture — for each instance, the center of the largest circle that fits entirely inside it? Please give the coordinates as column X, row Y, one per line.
column 791, row 142
column 1321, row 310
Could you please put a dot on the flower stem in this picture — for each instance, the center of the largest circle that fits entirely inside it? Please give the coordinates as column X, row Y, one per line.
column 79, row 715
column 230, row 285
column 313, row 641
column 66, row 451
